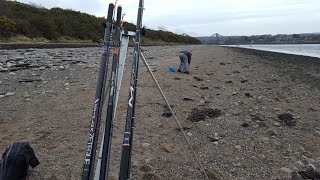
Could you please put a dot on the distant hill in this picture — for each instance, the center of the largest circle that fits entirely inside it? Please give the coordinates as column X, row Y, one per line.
column 305, row 38
column 26, row 22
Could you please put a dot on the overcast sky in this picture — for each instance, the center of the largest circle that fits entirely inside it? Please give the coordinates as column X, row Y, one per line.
column 206, row 17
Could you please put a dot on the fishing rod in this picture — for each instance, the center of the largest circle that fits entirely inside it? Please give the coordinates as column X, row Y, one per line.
column 111, row 101
column 93, row 135
column 118, row 84
column 124, row 173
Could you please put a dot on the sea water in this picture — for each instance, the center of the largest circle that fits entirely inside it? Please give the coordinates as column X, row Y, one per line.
column 312, row 50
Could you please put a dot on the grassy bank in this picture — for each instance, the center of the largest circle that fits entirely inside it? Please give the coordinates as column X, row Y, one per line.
column 23, row 23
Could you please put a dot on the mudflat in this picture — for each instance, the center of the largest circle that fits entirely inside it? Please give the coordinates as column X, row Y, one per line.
column 248, row 114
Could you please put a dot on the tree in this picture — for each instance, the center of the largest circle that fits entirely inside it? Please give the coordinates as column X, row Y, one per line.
column 296, row 36
column 7, row 26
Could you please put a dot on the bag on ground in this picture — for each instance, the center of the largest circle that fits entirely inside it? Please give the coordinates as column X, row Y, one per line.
column 15, row 161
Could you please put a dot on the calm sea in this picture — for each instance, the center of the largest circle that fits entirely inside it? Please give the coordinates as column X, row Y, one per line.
column 312, row 50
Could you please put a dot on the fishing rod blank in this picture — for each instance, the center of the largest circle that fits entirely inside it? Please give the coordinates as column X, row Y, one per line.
column 128, row 136
column 111, row 101
column 91, row 147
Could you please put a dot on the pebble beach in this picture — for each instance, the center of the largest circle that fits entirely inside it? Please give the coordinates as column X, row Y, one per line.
column 249, row 114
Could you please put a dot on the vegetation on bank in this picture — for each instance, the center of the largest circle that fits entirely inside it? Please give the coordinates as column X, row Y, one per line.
column 22, row 23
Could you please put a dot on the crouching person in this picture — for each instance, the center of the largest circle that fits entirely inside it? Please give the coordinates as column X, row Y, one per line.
column 185, row 60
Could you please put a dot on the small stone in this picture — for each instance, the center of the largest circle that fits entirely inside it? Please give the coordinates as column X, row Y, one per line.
column 216, row 143
column 317, row 133
column 66, row 84
column 262, row 156
column 145, row 145
column 168, row 148
column 303, row 157
column 233, row 171
column 286, row 170
column 12, row 73
column 213, row 137
column 42, row 68
column 3, row 69
column 10, row 94
column 234, row 93
column 27, row 100
column 273, row 133
column 10, row 64
column 2, row 96
column 238, row 147
column 211, row 174
column 265, row 139
column 216, row 138
column 287, row 152
column 189, row 134
column 262, row 123
column 61, row 68
column 311, row 167
column 258, row 117
column 0, row 82
column 277, row 124
column 135, row 163
column 26, row 95
column 302, row 149
column 310, row 161
column 222, row 134
column 236, row 164
column 299, row 164
column 236, row 113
